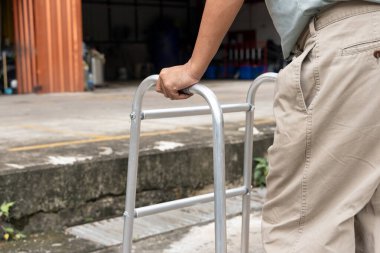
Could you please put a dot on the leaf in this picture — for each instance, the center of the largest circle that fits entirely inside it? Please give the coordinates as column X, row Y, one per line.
column 5, row 207
column 260, row 160
column 260, row 171
column 9, row 230
column 260, row 166
column 19, row 236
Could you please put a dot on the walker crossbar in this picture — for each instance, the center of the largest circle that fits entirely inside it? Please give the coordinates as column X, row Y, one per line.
column 192, row 111
column 186, row 202
column 220, row 194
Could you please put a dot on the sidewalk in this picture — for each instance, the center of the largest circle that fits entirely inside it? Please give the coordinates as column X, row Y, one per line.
column 35, row 129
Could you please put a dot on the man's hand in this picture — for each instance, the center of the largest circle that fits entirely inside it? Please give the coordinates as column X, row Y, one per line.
column 217, row 18
column 172, row 80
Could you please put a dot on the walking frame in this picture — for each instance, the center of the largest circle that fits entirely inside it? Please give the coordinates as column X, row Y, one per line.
column 220, row 193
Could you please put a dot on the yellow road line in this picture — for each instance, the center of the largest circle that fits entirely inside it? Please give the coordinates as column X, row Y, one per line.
column 98, row 138
column 106, row 138
column 52, row 130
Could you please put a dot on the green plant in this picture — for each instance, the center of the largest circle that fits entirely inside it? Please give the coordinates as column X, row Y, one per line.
column 7, row 232
column 5, row 208
column 261, row 171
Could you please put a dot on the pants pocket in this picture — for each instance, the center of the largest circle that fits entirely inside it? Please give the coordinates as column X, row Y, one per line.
column 361, row 47
column 309, row 83
column 306, row 79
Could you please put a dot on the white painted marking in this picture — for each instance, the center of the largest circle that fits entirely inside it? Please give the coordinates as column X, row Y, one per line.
column 167, row 145
column 105, row 151
column 201, row 238
column 64, row 160
column 255, row 130
column 16, row 166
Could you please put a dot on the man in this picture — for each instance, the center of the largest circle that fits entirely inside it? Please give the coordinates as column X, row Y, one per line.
column 323, row 187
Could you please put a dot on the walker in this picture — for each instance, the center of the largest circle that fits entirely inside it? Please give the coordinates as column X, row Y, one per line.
column 220, row 194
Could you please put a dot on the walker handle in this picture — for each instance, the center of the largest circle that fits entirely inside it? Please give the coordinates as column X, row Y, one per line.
column 186, row 91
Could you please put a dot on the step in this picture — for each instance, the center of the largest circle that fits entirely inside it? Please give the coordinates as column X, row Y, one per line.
column 52, row 196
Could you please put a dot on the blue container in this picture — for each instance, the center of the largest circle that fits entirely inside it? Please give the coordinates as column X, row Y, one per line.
column 221, row 72
column 246, row 72
column 231, row 70
column 8, row 91
column 258, row 70
column 226, row 71
column 211, row 72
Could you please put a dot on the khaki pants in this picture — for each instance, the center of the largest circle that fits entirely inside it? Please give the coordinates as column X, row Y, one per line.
column 323, row 186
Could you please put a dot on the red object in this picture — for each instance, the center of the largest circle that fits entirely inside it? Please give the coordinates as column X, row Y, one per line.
column 242, row 49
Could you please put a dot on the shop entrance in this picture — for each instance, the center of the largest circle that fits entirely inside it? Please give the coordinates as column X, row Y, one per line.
column 139, row 37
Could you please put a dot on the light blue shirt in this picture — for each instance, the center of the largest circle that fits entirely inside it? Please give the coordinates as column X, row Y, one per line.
column 291, row 16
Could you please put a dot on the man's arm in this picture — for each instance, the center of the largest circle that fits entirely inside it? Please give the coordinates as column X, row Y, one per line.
column 217, row 18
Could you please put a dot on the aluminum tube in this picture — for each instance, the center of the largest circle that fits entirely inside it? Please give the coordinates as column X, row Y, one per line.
column 134, row 141
column 248, row 152
column 264, row 78
column 187, row 202
column 192, row 111
column 247, row 179
column 219, row 167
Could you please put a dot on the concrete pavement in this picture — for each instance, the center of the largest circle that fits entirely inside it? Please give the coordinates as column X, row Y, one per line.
column 32, row 124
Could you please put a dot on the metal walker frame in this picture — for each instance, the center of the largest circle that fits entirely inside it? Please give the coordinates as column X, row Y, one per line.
column 220, row 193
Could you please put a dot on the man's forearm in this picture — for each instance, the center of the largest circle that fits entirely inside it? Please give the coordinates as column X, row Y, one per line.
column 218, row 16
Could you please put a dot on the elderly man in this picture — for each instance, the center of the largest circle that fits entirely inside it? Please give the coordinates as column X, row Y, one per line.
column 323, row 187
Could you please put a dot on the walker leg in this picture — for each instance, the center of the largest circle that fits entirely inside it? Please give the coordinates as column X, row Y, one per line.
column 130, row 200
column 248, row 153
column 246, row 205
column 219, row 167
column 133, row 159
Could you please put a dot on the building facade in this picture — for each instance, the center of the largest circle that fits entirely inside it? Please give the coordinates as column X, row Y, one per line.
column 51, row 38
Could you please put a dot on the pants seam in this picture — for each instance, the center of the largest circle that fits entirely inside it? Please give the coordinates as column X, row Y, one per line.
column 305, row 180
